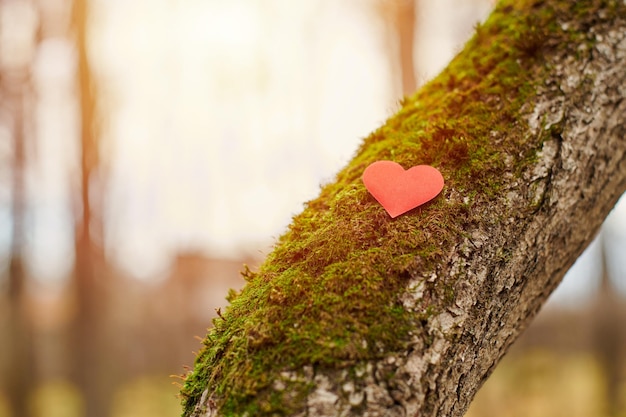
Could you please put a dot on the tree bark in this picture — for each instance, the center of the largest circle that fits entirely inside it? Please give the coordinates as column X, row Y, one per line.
column 358, row 314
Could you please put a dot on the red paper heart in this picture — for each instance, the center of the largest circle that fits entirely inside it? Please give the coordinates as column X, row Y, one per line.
column 399, row 191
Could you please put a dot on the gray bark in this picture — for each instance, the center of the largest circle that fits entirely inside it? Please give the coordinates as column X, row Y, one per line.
column 510, row 264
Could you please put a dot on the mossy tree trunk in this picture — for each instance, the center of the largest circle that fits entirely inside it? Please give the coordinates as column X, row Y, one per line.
column 355, row 313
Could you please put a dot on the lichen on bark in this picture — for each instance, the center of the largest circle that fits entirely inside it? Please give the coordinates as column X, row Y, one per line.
column 355, row 313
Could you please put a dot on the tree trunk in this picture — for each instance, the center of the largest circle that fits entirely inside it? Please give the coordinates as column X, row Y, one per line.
column 607, row 335
column 21, row 354
column 399, row 17
column 16, row 110
column 355, row 313
column 87, row 341
column 404, row 19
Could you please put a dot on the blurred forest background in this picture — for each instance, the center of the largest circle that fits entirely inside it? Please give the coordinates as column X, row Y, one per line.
column 150, row 148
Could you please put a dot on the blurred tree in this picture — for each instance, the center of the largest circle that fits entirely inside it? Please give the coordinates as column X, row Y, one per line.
column 16, row 55
column 88, row 341
column 608, row 339
column 399, row 17
column 355, row 313
column 405, row 26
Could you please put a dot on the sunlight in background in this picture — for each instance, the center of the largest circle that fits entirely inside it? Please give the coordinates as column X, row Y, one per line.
column 51, row 183
column 230, row 117
column 223, row 118
column 226, row 117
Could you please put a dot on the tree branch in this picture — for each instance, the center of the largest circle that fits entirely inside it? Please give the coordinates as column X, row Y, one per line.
column 355, row 313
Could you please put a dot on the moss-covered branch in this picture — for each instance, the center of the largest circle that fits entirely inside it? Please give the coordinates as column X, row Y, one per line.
column 355, row 313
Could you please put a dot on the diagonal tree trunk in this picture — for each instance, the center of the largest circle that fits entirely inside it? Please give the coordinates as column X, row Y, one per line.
column 355, row 313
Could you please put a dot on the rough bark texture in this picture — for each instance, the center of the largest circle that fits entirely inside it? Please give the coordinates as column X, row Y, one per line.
column 526, row 191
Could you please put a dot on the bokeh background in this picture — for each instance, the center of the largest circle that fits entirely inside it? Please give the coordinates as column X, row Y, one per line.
column 150, row 148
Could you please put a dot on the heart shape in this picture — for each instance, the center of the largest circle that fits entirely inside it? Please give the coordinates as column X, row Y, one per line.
column 399, row 191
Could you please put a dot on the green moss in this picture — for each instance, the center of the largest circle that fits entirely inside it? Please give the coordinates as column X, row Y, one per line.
column 328, row 295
